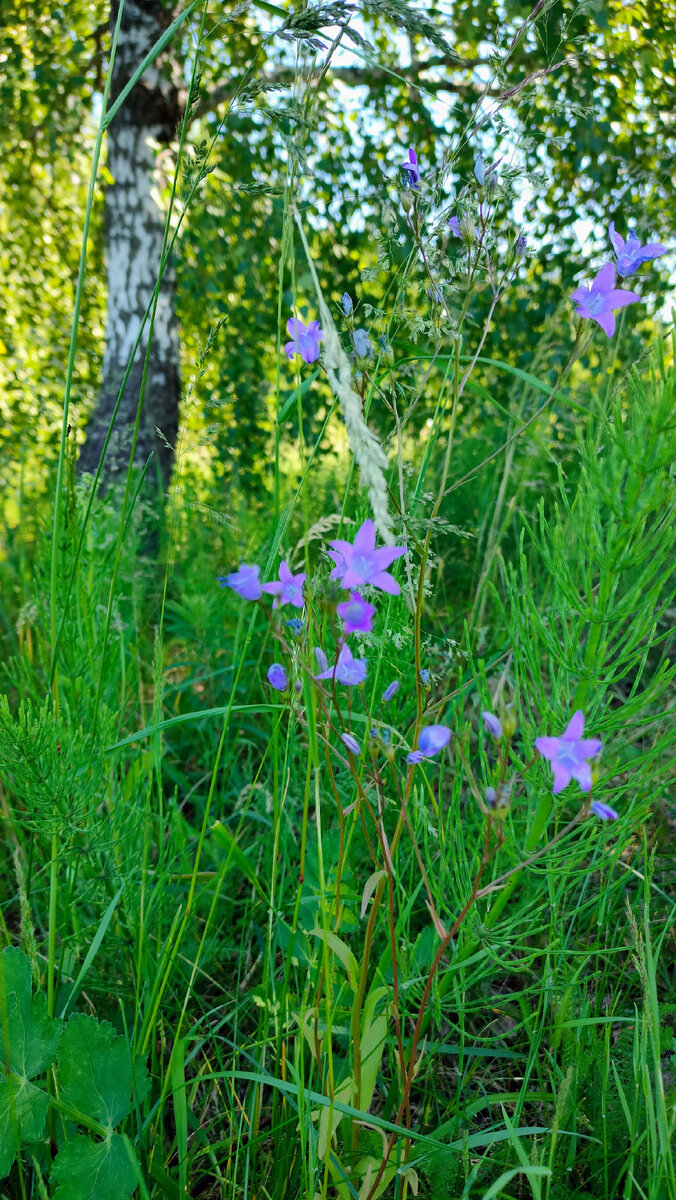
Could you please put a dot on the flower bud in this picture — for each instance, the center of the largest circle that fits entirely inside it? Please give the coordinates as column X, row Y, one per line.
column 277, row 677
column 351, row 743
column 508, row 721
column 492, row 725
column 468, row 230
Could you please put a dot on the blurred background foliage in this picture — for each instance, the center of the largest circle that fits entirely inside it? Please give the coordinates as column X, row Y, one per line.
column 573, row 109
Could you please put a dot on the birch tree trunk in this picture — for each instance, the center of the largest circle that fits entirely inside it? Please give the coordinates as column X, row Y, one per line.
column 134, row 227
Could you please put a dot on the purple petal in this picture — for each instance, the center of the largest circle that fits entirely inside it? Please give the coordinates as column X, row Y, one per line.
column 433, row 738
column 616, row 239
column 295, row 327
column 583, row 775
column 322, row 660
column 385, row 582
column 365, row 539
column 351, row 742
column 562, row 777
column 581, row 294
column 575, row 727
column 604, row 811
column 604, row 279
column 492, row 724
column 652, row 250
column 620, row 297
column 548, row 746
column 416, row 756
column 588, row 747
column 606, row 320
column 386, row 555
column 277, row 677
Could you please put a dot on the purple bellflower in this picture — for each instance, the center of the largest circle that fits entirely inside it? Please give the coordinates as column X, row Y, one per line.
column 305, row 339
column 288, row 589
column 492, row 725
column 568, row 754
column 347, row 670
column 598, row 299
column 603, row 811
column 454, row 226
column 362, row 344
column 245, row 582
column 351, row 742
column 391, row 690
column 359, row 562
column 432, row 739
column 631, row 254
column 357, row 614
column 277, row 677
column 410, row 167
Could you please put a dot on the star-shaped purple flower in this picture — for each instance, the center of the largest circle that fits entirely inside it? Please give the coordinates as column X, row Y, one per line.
column 347, row 669
column 306, row 339
column 432, row 739
column 631, row 254
column 288, row 589
column 410, row 166
column 598, row 299
column 245, row 582
column 357, row 614
column 359, row 562
column 568, row 754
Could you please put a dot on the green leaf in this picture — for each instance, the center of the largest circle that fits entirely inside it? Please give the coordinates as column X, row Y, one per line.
column 23, row 1108
column 85, row 1170
column 95, row 1073
column 29, row 1039
column 29, row 1036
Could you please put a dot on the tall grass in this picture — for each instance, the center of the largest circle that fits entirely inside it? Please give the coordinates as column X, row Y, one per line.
column 348, row 976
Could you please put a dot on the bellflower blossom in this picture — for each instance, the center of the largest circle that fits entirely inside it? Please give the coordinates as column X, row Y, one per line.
column 359, row 562
column 346, row 301
column 277, row 677
column 245, row 582
column 351, row 742
column 492, row 725
column 603, row 811
column 568, row 754
column 288, row 589
column 410, row 166
column 362, row 344
column 631, row 254
column 598, row 299
column 391, row 690
column 357, row 614
column 347, row 670
column 432, row 739
column 306, row 339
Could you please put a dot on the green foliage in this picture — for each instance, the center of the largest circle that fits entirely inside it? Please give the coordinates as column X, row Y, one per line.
column 29, row 1040
column 97, row 1081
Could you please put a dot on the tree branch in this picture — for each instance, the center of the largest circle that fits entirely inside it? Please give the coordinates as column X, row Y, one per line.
column 353, row 77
